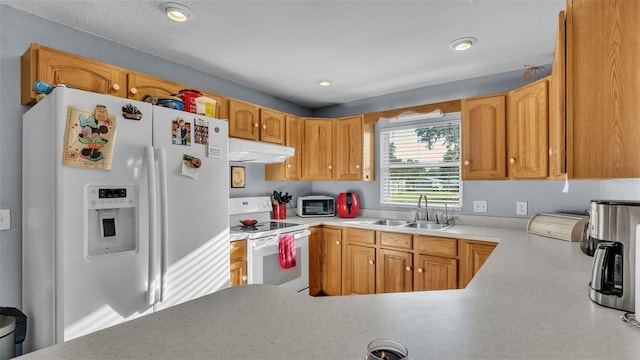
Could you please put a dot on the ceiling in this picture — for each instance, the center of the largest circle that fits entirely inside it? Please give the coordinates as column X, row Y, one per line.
column 366, row 48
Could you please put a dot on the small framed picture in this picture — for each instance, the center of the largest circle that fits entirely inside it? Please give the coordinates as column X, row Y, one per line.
column 237, row 176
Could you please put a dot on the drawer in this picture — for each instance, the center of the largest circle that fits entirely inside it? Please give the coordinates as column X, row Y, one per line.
column 396, row 240
column 238, row 249
column 436, row 245
column 360, row 236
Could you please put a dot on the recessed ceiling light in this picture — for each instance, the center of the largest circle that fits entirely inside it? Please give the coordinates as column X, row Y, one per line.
column 176, row 12
column 324, row 82
column 463, row 44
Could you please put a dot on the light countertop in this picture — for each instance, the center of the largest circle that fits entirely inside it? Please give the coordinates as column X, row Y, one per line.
column 529, row 301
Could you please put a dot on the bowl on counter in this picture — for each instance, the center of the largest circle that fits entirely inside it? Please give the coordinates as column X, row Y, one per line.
column 248, row 222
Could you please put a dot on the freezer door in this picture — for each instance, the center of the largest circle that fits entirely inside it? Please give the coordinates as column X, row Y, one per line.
column 72, row 286
column 194, row 192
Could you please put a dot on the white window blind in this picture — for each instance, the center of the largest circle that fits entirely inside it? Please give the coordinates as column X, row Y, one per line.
column 421, row 159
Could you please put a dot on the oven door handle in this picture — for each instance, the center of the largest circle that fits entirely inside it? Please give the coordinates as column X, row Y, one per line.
column 275, row 239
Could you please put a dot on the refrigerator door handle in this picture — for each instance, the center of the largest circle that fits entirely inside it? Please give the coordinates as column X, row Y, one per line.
column 152, row 287
column 164, row 218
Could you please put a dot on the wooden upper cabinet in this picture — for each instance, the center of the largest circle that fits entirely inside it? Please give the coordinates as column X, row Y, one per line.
column 557, row 103
column 272, row 126
column 244, row 120
column 347, row 136
column 317, row 163
column 484, row 138
column 603, row 88
column 527, row 129
column 291, row 169
column 141, row 85
column 57, row 67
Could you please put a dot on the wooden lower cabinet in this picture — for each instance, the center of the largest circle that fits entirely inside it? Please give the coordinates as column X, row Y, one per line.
column 435, row 273
column 331, row 261
column 359, row 276
column 238, row 263
column 315, row 264
column 395, row 271
column 473, row 255
column 346, row 261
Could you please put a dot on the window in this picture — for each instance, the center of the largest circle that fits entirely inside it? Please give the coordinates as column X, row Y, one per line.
column 419, row 159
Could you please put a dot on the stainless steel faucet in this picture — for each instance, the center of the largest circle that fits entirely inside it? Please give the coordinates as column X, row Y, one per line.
column 426, row 208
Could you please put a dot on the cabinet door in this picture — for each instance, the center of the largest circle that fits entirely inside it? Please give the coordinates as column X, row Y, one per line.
column 141, row 85
column 395, row 271
column 603, row 88
column 57, row 67
column 238, row 263
column 435, row 273
column 272, row 126
column 332, row 261
column 291, row 169
column 244, row 121
column 347, row 135
column 317, row 149
column 527, row 128
column 315, row 267
column 359, row 275
column 557, row 96
column 483, row 138
column 474, row 255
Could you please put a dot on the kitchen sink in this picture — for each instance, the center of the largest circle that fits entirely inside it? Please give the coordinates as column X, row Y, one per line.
column 426, row 226
column 388, row 222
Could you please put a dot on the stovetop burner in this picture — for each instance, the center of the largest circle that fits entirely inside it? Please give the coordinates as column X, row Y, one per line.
column 262, row 226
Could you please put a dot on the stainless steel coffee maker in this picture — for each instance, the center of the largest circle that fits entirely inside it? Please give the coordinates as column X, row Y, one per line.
column 612, row 226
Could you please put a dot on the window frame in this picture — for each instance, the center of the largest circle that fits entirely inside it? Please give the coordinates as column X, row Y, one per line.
column 384, row 126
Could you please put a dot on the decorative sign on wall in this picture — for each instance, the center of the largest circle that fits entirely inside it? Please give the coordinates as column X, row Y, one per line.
column 237, row 176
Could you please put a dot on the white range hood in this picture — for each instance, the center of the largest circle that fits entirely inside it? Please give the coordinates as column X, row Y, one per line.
column 249, row 151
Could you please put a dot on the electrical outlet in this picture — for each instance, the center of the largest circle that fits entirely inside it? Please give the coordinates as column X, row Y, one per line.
column 521, row 208
column 480, row 206
column 5, row 219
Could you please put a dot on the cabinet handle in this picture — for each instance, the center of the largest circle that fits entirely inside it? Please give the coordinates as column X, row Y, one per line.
column 255, row 125
column 330, row 167
column 358, row 166
column 288, row 166
column 115, row 87
column 420, row 270
column 244, row 278
column 512, row 161
column 467, row 162
column 370, row 262
column 337, row 242
column 264, row 126
column 133, row 91
column 408, row 268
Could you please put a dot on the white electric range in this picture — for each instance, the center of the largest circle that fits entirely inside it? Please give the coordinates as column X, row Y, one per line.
column 263, row 265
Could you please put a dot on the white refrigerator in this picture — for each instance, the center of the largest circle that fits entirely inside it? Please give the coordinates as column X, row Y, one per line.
column 125, row 212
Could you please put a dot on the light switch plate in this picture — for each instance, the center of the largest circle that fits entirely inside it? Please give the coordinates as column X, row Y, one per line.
column 521, row 208
column 480, row 206
column 5, row 219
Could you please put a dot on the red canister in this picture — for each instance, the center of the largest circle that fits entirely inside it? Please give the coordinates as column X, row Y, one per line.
column 189, row 99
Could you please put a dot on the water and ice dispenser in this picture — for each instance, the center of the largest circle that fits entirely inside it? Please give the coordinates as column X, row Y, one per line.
column 111, row 220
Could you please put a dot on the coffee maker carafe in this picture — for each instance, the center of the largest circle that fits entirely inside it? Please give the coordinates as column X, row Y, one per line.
column 612, row 226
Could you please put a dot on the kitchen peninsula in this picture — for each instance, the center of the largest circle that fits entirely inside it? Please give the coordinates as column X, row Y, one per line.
column 529, row 301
